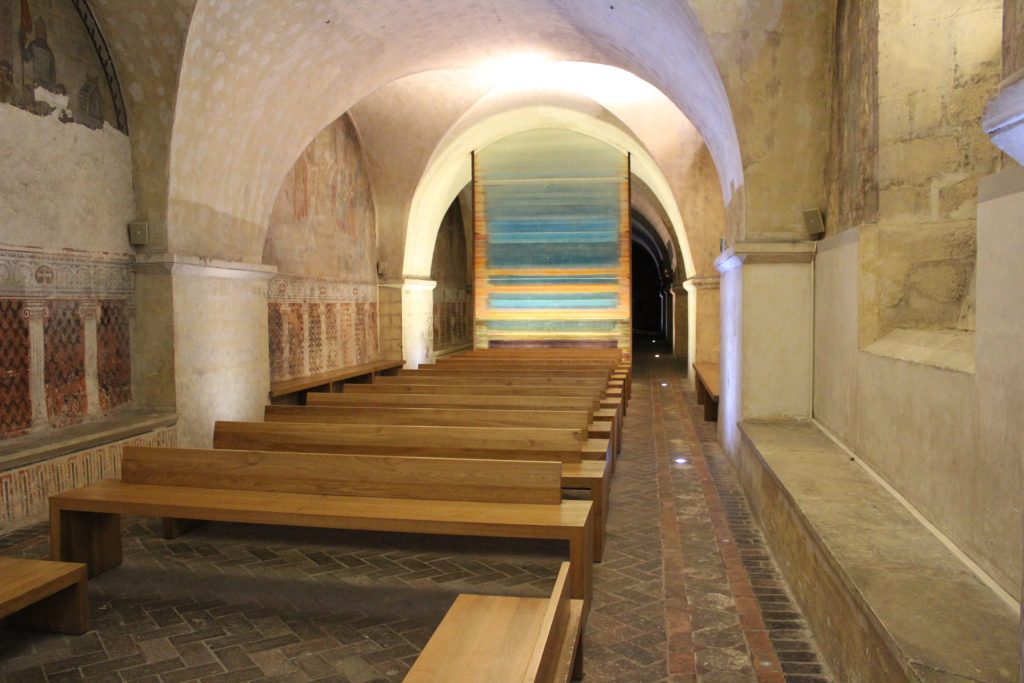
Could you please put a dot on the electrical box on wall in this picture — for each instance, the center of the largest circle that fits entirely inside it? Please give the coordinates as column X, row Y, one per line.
column 138, row 233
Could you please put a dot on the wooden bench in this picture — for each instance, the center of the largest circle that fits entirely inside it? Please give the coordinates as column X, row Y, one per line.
column 530, row 370
column 709, row 385
column 50, row 596
column 331, row 380
column 584, row 462
column 442, row 417
column 601, row 400
column 492, row 498
column 503, row 639
column 489, row 402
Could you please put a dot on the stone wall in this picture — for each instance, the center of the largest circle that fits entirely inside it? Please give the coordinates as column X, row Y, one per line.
column 1013, row 37
column 853, row 177
column 453, row 300
column 937, row 68
column 322, row 308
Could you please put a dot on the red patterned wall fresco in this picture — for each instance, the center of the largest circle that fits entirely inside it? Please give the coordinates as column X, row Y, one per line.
column 15, row 406
column 371, row 332
column 278, row 362
column 348, row 350
column 114, row 364
column 64, row 366
column 359, row 316
column 333, row 349
column 316, row 341
column 296, row 339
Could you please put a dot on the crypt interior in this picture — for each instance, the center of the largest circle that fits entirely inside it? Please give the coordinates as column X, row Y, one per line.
column 206, row 203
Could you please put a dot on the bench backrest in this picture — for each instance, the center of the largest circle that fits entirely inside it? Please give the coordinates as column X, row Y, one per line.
column 496, row 402
column 413, row 377
column 442, row 417
column 348, row 475
column 486, row 389
column 549, row 641
column 504, row 443
column 505, row 371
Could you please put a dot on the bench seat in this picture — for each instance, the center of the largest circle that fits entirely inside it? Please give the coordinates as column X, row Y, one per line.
column 506, row 639
column 85, row 524
column 44, row 595
column 709, row 387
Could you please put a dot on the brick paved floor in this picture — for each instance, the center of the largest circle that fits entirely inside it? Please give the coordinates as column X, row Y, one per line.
column 687, row 590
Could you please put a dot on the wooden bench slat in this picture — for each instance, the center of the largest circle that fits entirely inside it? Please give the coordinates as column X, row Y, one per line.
column 380, row 476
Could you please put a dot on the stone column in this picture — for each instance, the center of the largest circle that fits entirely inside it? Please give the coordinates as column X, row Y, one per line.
column 418, row 321
column 767, row 334
column 89, row 313
column 35, row 311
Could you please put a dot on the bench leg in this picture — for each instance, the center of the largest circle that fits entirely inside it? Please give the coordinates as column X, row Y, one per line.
column 174, row 527
column 702, row 393
column 66, row 611
column 581, row 558
column 711, row 411
column 90, row 537
column 577, row 660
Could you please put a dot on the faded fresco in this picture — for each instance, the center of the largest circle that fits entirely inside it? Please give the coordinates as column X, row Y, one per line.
column 53, row 61
column 52, row 303
column 322, row 308
column 453, row 302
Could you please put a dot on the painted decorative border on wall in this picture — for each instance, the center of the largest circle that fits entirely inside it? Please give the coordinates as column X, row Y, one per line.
column 24, row 491
column 48, row 274
column 106, row 61
column 284, row 289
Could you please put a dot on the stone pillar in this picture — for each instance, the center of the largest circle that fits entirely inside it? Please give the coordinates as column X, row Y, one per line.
column 35, row 311
column 89, row 313
column 767, row 334
column 418, row 321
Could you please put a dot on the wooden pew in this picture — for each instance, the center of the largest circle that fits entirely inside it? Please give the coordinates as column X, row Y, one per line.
column 584, row 465
column 504, row 639
column 441, row 417
column 530, row 370
column 709, row 385
column 489, row 402
column 603, row 401
column 38, row 594
column 492, row 498
column 330, row 380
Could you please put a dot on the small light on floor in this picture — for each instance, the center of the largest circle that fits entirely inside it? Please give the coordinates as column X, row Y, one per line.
column 664, row 384
column 681, row 461
column 657, row 355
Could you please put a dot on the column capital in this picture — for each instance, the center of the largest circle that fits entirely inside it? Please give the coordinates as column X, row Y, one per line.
column 695, row 284
column 35, row 309
column 753, row 252
column 89, row 310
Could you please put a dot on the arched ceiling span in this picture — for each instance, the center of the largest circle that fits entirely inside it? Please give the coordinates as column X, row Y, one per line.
column 450, row 169
column 259, row 80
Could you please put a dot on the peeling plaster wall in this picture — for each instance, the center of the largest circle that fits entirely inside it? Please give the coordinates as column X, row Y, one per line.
column 453, row 299
column 63, row 186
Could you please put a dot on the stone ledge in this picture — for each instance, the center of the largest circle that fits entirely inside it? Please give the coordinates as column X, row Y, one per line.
column 32, row 448
column 946, row 349
column 886, row 599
